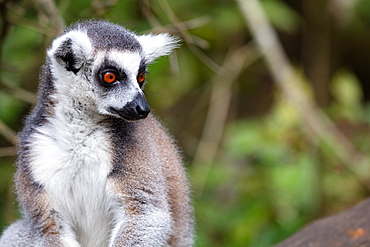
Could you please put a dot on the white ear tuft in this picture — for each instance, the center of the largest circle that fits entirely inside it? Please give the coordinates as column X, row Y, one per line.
column 157, row 45
column 71, row 50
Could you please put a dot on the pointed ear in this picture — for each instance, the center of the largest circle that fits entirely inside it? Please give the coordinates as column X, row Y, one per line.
column 71, row 50
column 157, row 45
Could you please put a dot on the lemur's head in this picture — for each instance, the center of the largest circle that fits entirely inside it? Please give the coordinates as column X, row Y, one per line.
column 101, row 66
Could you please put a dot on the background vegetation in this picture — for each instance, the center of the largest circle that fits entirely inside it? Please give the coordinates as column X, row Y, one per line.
column 268, row 99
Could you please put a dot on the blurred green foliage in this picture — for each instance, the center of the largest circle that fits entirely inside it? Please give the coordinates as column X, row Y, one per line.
column 271, row 175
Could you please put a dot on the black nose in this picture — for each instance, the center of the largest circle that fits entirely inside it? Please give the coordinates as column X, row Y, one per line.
column 136, row 109
column 139, row 107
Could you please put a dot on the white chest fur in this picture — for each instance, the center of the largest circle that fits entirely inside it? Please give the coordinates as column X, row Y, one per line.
column 70, row 159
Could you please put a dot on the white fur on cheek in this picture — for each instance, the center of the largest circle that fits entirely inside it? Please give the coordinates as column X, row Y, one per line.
column 66, row 82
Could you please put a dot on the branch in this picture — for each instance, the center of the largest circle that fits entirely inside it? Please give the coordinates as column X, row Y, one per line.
column 8, row 133
column 8, row 151
column 194, row 43
column 220, row 100
column 289, row 84
column 49, row 8
column 17, row 17
column 345, row 229
column 18, row 92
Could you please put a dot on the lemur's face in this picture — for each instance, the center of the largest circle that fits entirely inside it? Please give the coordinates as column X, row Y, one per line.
column 101, row 67
column 119, row 77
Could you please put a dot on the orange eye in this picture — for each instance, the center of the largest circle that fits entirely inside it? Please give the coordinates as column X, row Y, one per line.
column 109, row 77
column 141, row 77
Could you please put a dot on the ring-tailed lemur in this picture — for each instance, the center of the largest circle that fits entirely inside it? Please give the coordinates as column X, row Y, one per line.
column 94, row 167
